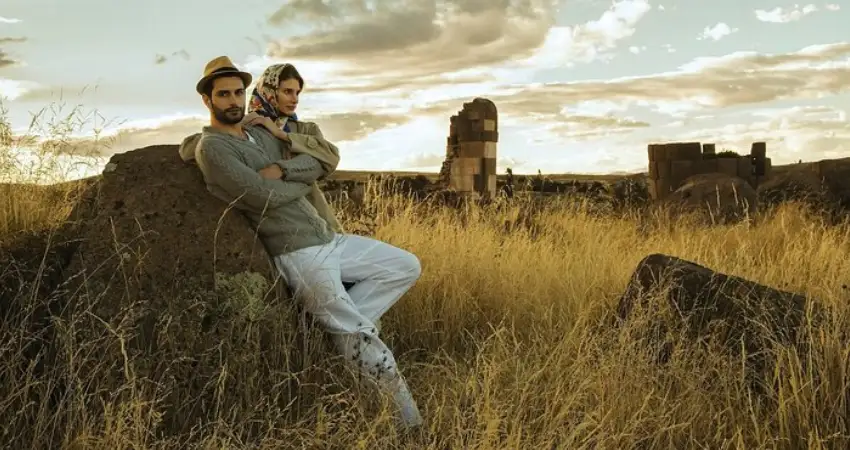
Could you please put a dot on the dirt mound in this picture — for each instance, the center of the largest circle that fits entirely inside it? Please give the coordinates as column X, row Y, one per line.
column 175, row 296
column 823, row 184
column 721, row 197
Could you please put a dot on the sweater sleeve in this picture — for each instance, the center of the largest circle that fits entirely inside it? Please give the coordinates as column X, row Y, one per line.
column 302, row 168
column 241, row 184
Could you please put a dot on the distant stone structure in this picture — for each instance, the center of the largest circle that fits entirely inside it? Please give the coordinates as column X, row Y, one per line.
column 671, row 164
column 470, row 164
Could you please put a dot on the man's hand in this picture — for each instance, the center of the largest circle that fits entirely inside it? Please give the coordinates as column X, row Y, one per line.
column 271, row 172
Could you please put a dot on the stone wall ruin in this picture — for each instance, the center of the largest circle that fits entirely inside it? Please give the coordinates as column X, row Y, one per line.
column 673, row 163
column 470, row 164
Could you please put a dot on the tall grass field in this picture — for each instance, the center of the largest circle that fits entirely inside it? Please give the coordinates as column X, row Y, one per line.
column 503, row 341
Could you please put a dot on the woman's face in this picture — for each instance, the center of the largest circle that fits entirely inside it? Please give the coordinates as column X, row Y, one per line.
column 287, row 96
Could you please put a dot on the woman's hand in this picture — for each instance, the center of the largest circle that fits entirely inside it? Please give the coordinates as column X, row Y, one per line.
column 254, row 119
column 249, row 119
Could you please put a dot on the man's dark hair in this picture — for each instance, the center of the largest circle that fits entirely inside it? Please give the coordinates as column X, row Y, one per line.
column 207, row 87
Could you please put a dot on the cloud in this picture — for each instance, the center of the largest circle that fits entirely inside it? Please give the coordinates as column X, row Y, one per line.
column 311, row 10
column 162, row 59
column 801, row 132
column 415, row 39
column 833, row 7
column 54, row 93
column 6, row 60
column 421, row 58
column 566, row 46
column 404, row 45
column 14, row 89
column 741, row 78
column 357, row 125
column 780, row 15
column 585, row 127
column 172, row 130
column 9, row 20
column 717, row 32
column 131, row 136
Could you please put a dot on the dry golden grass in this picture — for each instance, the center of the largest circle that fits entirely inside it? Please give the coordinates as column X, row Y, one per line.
column 501, row 345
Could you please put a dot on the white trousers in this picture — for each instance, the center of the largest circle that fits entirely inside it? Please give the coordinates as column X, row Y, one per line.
column 381, row 274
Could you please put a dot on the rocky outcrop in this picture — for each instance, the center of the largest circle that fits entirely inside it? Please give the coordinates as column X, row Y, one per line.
column 151, row 224
column 726, row 311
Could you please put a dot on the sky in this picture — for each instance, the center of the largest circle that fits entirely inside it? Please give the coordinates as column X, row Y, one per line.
column 581, row 86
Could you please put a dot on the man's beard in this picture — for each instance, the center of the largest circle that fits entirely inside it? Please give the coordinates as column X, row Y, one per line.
column 230, row 116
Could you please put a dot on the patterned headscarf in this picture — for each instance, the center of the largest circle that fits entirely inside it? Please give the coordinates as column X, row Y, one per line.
column 264, row 96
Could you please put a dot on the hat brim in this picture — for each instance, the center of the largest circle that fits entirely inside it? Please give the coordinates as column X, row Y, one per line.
column 246, row 77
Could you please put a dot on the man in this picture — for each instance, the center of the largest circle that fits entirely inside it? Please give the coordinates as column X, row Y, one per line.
column 249, row 167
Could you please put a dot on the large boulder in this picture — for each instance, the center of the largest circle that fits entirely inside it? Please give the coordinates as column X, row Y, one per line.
column 168, row 301
column 719, row 197
column 728, row 312
column 151, row 228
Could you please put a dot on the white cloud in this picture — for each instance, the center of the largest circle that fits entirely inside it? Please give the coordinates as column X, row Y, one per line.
column 800, row 132
column 12, row 89
column 9, row 20
column 717, row 32
column 780, row 15
column 832, row 7
column 565, row 46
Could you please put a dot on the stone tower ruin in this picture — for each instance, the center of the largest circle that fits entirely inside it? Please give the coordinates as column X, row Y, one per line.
column 470, row 164
column 671, row 164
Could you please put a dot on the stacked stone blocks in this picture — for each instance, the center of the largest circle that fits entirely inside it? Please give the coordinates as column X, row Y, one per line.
column 470, row 164
column 670, row 165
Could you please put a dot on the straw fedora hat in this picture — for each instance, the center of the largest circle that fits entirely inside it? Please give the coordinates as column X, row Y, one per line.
column 218, row 67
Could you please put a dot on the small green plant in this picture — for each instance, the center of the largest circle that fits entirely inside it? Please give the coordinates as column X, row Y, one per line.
column 244, row 293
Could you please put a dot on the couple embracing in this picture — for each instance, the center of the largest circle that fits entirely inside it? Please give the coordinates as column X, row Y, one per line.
column 266, row 164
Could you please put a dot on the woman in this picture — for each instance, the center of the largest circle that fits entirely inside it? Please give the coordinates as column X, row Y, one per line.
column 276, row 96
column 381, row 273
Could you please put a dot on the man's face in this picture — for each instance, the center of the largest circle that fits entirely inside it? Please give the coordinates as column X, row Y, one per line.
column 287, row 96
column 228, row 100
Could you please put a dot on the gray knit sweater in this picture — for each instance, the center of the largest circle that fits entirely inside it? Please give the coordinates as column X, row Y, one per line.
column 284, row 219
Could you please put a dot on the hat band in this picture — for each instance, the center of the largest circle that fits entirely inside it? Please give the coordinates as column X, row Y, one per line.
column 224, row 69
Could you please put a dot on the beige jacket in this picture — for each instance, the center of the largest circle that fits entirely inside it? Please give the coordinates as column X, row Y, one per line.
column 307, row 139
